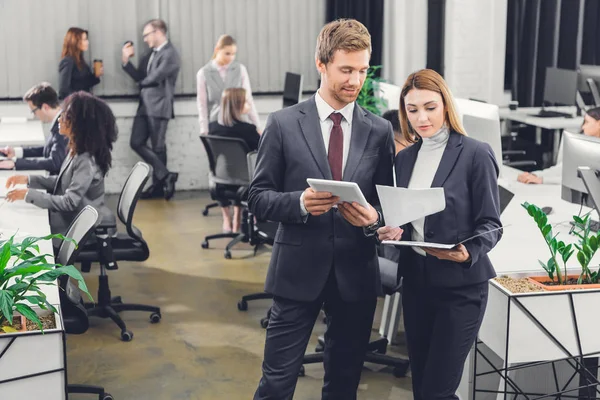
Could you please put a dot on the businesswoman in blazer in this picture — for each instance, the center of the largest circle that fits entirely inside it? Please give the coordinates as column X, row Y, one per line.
column 90, row 126
column 73, row 72
column 445, row 291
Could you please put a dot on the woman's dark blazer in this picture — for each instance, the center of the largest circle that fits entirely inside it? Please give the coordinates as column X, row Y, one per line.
column 72, row 79
column 468, row 173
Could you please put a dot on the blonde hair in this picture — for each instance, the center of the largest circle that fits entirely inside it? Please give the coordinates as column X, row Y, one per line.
column 232, row 105
column 428, row 79
column 222, row 42
column 342, row 34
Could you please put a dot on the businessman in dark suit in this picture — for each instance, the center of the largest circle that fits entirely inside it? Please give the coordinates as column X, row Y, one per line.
column 444, row 291
column 322, row 254
column 156, row 76
column 42, row 100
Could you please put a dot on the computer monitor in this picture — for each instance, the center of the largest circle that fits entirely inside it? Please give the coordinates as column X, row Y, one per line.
column 391, row 93
column 579, row 150
column 482, row 122
column 560, row 87
column 585, row 72
column 292, row 89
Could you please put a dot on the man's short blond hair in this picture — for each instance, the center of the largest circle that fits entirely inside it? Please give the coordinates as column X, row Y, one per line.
column 342, row 34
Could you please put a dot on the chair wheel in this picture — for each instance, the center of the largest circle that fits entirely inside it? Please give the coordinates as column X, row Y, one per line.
column 401, row 370
column 302, row 371
column 205, row 245
column 155, row 318
column 126, row 336
column 264, row 322
column 227, row 255
column 242, row 305
column 108, row 396
column 205, row 213
column 116, row 300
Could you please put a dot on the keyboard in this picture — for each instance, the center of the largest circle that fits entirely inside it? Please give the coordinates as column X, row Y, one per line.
column 594, row 225
column 551, row 114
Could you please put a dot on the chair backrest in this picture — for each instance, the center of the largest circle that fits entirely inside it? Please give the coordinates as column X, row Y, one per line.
column 594, row 89
column 79, row 230
column 251, row 159
column 130, row 194
column 227, row 159
column 292, row 89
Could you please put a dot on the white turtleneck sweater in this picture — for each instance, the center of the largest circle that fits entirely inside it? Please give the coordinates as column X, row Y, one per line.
column 426, row 165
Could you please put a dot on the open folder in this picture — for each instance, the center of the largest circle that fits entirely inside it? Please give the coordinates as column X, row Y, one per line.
column 401, row 206
column 436, row 245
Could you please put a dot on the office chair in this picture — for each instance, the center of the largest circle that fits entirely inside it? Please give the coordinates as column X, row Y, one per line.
column 74, row 314
column 228, row 178
column 208, row 207
column 292, row 89
column 594, row 90
column 377, row 348
column 257, row 234
column 107, row 250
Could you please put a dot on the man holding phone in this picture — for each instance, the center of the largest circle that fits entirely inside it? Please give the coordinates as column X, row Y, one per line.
column 156, row 75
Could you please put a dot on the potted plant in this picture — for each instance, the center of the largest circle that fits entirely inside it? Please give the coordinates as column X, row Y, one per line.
column 367, row 98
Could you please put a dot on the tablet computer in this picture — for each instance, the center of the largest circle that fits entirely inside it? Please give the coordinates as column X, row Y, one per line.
column 346, row 191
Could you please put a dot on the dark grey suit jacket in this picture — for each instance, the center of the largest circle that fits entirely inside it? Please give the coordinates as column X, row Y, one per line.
column 291, row 150
column 49, row 157
column 469, row 175
column 79, row 183
column 158, row 84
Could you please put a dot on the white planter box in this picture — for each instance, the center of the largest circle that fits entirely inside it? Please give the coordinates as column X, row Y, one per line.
column 32, row 364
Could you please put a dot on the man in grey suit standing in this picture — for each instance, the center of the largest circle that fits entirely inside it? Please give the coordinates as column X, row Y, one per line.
column 156, row 76
column 323, row 255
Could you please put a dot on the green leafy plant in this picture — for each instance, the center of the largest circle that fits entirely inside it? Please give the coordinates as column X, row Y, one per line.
column 559, row 251
column 586, row 248
column 367, row 98
column 23, row 270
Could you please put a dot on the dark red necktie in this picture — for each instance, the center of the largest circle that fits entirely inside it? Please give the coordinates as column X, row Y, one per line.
column 335, row 154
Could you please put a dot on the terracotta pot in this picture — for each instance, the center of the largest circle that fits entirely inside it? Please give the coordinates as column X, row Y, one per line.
column 541, row 280
column 23, row 323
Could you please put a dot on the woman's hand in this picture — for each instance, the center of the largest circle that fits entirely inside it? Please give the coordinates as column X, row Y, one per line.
column 99, row 72
column 16, row 194
column 389, row 233
column 458, row 254
column 17, row 180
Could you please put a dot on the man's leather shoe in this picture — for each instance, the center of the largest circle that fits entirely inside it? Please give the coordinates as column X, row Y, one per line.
column 169, row 185
column 155, row 191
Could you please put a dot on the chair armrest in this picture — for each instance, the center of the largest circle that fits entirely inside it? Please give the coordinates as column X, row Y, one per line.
column 104, row 247
column 523, row 163
column 514, row 152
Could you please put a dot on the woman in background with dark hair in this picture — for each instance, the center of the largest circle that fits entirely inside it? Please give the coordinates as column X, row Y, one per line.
column 74, row 73
column 553, row 175
column 90, row 126
column 234, row 106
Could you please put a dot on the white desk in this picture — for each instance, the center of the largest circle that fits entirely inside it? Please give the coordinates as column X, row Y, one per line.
column 29, row 133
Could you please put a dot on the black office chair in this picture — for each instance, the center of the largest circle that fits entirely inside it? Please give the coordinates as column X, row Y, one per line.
column 292, row 89
column 208, row 207
column 228, row 178
column 107, row 250
column 377, row 348
column 74, row 315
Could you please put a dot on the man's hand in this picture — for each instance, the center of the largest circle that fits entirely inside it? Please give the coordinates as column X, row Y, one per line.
column 527, row 177
column 389, row 233
column 8, row 151
column 17, row 180
column 318, row 203
column 127, row 52
column 357, row 215
column 458, row 254
column 7, row 164
column 16, row 194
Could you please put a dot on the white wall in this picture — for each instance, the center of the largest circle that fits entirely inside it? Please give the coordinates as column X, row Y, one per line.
column 404, row 39
column 474, row 53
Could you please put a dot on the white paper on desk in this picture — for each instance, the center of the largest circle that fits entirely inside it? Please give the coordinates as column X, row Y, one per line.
column 401, row 206
column 13, row 120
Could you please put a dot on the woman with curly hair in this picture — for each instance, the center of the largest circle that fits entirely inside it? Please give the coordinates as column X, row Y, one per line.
column 90, row 126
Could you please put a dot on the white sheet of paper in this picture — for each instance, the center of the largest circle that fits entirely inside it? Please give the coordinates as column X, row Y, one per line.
column 401, row 206
column 347, row 191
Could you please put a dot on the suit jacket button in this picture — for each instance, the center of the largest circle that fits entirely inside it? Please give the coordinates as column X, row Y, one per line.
column 429, row 234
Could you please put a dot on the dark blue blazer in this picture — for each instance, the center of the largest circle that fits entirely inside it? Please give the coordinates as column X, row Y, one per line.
column 49, row 157
column 291, row 150
column 469, row 175
column 72, row 79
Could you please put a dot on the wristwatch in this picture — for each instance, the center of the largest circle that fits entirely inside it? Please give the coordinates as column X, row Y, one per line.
column 375, row 225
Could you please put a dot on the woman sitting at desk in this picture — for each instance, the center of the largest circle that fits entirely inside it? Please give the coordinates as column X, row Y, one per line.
column 234, row 106
column 445, row 291
column 553, row 175
column 90, row 126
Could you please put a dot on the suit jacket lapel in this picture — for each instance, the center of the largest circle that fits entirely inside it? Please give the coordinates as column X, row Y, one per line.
column 449, row 157
column 64, row 167
column 311, row 129
column 405, row 169
column 361, row 128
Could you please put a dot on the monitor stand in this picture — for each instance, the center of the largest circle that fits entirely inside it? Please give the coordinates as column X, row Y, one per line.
column 592, row 184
